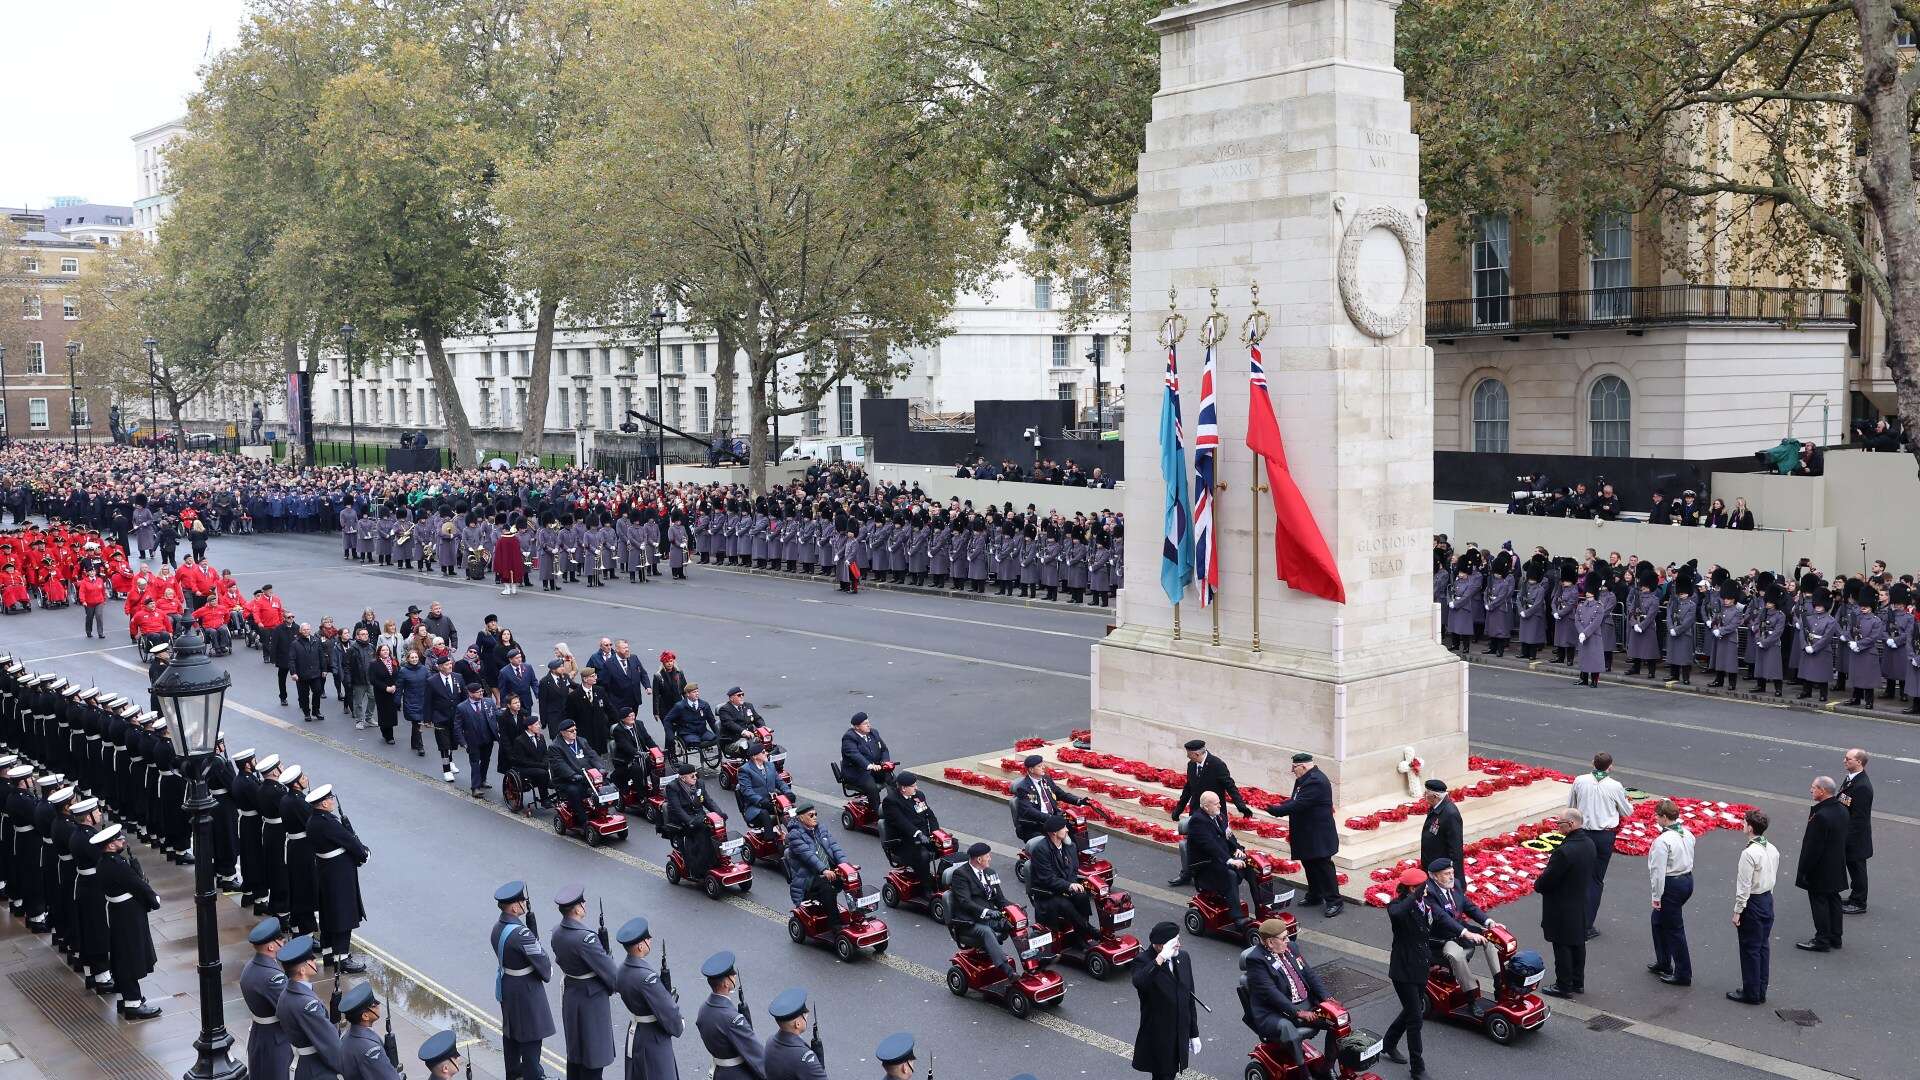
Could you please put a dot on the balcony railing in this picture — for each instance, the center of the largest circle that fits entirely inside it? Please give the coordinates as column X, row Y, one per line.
column 1630, row 308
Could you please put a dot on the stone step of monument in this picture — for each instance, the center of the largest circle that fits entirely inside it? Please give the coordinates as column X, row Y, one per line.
column 1360, row 849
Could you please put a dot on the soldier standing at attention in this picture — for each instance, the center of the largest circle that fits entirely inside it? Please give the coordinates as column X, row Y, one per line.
column 586, row 1006
column 525, row 1017
column 366, row 1056
column 655, row 1008
column 788, row 1055
column 441, row 1055
column 316, row 1042
column 726, row 1032
column 261, row 983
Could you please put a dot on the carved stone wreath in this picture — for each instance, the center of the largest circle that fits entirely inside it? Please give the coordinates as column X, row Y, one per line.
column 1371, row 320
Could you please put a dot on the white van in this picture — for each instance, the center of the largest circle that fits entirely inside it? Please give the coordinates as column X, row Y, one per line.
column 844, row 449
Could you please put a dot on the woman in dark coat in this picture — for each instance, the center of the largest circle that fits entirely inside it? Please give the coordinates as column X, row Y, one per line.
column 1407, row 964
column 412, row 686
column 384, row 671
column 669, row 686
column 1563, row 887
column 1169, row 1023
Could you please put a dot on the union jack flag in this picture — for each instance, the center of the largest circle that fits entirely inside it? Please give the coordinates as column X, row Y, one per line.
column 1206, row 443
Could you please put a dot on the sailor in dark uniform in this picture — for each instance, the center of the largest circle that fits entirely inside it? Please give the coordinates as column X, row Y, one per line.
column 520, row 987
column 895, row 1055
column 726, row 1032
column 338, row 856
column 262, row 982
column 318, row 1054
column 441, row 1055
column 129, row 900
column 655, row 1008
column 586, row 1005
column 366, row 1054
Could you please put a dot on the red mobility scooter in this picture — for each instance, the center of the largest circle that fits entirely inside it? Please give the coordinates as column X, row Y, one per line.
column 604, row 821
column 729, row 870
column 861, row 814
column 777, row 754
column 1208, row 913
column 1093, row 858
column 1274, row 1060
column 1514, row 1009
column 1112, row 914
column 768, row 844
column 972, row 969
column 646, row 793
column 902, row 887
column 860, row 931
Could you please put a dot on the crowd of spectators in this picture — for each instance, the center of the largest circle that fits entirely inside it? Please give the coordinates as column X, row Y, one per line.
column 1044, row 471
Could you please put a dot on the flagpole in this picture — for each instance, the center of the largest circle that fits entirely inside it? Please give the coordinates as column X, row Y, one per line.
column 1213, row 330
column 1172, row 329
column 1251, row 331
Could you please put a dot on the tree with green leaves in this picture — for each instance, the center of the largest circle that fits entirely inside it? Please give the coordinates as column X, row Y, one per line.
column 1766, row 136
column 741, row 159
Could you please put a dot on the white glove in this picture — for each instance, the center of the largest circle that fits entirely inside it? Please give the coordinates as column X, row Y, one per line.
column 1854, row 645
column 1891, row 645
column 1167, row 952
column 1583, row 639
column 1451, row 604
column 1193, row 1045
column 1809, row 650
column 1717, row 633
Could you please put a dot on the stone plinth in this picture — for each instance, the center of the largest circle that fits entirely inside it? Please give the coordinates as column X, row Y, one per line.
column 1281, row 153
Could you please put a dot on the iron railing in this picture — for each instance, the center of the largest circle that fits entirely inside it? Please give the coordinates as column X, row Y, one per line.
column 1625, row 308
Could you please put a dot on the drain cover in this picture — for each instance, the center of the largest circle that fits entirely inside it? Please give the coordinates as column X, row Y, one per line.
column 1608, row 1022
column 1346, row 984
column 1802, row 1017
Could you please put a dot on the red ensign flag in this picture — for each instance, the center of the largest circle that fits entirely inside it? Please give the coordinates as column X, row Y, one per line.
column 1301, row 558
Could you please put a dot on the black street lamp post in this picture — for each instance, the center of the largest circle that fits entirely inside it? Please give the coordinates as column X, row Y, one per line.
column 353, row 440
column 1096, row 354
column 73, row 394
column 659, row 320
column 6, row 412
column 153, row 386
column 192, row 693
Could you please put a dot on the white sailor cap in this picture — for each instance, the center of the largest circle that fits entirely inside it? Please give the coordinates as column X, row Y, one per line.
column 84, row 806
column 60, row 796
column 289, row 774
column 89, row 693
column 71, row 689
column 52, row 779
column 268, row 764
column 243, row 755
column 317, row 794
column 101, row 838
column 19, row 772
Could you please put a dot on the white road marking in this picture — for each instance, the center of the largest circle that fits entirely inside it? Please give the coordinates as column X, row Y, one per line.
column 1681, row 725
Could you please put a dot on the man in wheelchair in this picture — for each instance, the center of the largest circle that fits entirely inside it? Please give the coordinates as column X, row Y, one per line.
column 629, row 746
column 523, row 753
column 690, row 722
column 907, row 824
column 686, row 825
column 1281, row 993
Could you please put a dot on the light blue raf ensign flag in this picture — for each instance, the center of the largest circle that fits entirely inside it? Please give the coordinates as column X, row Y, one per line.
column 1176, row 549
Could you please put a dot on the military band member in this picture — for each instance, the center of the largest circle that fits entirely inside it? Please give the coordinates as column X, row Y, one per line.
column 262, row 982
column 520, row 986
column 441, row 1055
column 317, row 1051
column 586, row 1010
column 1682, row 615
column 1864, row 640
column 364, row 1052
column 656, row 1009
column 895, row 1055
column 724, row 1030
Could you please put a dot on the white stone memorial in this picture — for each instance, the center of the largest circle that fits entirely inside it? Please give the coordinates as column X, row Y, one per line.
column 1280, row 154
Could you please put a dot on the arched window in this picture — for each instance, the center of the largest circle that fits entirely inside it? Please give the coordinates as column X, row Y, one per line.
column 1610, row 417
column 1490, row 417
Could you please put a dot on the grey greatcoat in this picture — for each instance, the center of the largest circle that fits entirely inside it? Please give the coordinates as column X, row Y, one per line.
column 586, row 1002
column 790, row 1058
column 1681, row 611
column 367, row 1056
column 262, row 982
column 525, row 968
column 318, row 1054
column 1565, row 635
column 728, row 1037
column 1643, row 625
column 656, row 1022
column 1723, row 643
column 1462, row 597
column 677, row 545
column 1499, row 607
column 1099, row 569
column 1864, row 642
column 1770, row 629
column 1817, row 639
column 1896, row 660
column 349, row 538
column 1533, row 612
column 1590, row 638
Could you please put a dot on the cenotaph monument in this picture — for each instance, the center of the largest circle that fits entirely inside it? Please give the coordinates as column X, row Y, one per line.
column 1280, row 154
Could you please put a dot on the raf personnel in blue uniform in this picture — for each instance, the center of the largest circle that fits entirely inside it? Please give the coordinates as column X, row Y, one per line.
column 586, row 1002
column 261, row 983
column 655, row 1008
column 318, row 1053
column 895, row 1054
column 366, row 1055
column 726, row 1032
column 441, row 1055
column 520, row 986
column 788, row 1055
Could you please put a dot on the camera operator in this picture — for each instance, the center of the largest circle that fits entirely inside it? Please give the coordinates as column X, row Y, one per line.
column 1606, row 505
column 1662, row 511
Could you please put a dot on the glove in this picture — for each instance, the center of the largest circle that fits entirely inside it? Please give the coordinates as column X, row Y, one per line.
column 1809, row 650
column 1854, row 645
column 1193, row 1046
column 1583, row 639
column 1174, row 814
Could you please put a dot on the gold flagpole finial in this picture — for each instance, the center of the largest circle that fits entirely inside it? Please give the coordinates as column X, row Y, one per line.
column 1174, row 326
column 1256, row 325
column 1213, row 329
